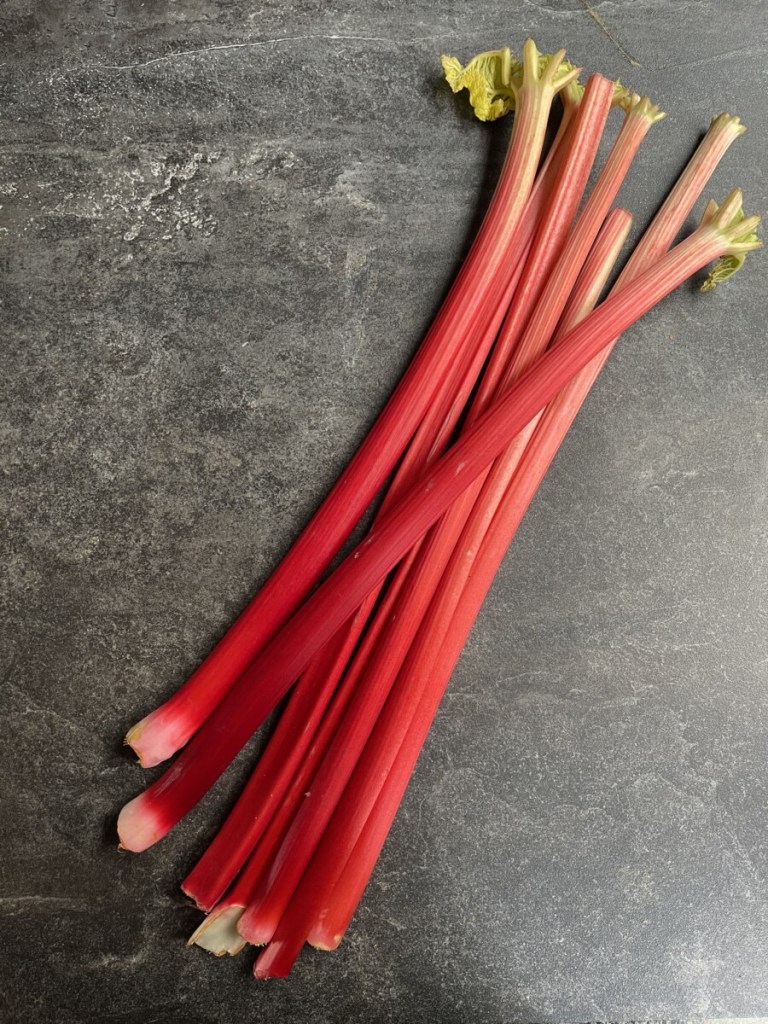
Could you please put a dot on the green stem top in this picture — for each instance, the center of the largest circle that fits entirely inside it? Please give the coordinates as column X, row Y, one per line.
column 739, row 231
column 494, row 78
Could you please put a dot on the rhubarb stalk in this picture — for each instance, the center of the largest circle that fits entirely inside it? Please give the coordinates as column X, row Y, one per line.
column 262, row 917
column 150, row 815
column 532, row 86
column 332, row 886
column 331, row 922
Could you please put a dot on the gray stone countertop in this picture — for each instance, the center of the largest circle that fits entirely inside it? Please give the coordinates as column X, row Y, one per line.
column 224, row 228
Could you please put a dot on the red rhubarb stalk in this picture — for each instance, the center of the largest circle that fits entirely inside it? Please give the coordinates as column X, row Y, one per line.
column 266, row 787
column 482, row 498
column 218, row 866
column 553, row 295
column 332, row 920
column 150, row 815
column 225, row 856
column 245, row 823
column 250, row 815
column 473, row 294
column 228, row 851
column 370, row 801
column 260, row 920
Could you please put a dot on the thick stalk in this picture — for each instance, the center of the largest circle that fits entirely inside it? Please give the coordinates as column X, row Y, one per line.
column 225, row 856
column 356, row 833
column 475, row 291
column 330, row 926
column 149, row 816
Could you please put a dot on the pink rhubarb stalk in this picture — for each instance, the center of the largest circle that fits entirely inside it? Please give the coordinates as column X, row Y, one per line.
column 258, row 923
column 250, row 815
column 150, row 815
column 474, row 293
column 353, row 839
column 247, row 820
column 332, row 919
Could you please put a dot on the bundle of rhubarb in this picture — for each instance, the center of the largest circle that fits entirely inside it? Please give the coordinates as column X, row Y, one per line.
column 367, row 650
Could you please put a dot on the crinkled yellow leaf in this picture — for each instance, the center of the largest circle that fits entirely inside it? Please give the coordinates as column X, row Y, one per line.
column 488, row 79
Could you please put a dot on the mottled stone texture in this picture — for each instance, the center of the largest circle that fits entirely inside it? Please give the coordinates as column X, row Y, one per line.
column 224, row 228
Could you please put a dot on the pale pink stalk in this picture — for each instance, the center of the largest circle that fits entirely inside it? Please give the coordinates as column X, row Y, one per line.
column 352, row 842
column 149, row 816
column 473, row 296
column 330, row 926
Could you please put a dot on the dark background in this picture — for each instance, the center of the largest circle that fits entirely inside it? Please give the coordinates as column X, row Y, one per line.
column 224, row 229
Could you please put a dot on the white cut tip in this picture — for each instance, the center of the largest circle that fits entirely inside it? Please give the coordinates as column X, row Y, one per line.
column 138, row 827
column 218, row 933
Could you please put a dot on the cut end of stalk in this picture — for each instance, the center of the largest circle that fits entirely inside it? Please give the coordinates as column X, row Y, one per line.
column 255, row 930
column 272, row 962
column 640, row 106
column 571, row 95
column 550, row 69
column 158, row 737
column 218, row 933
column 138, row 826
column 621, row 95
column 132, row 739
column 186, row 889
column 321, row 936
column 727, row 124
column 322, row 940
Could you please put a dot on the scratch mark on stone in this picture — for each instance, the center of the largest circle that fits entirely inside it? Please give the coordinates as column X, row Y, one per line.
column 715, row 58
column 8, row 674
column 10, row 906
column 243, row 46
column 35, row 707
column 611, row 35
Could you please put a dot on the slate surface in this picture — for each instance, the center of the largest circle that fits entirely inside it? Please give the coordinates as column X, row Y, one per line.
column 224, row 229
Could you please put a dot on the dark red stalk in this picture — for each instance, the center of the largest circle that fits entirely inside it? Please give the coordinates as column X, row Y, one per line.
column 371, row 799
column 331, row 922
column 149, row 816
column 475, row 292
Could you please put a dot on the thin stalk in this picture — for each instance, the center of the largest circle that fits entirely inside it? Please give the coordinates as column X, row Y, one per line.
column 261, row 918
column 287, row 746
column 475, row 291
column 556, row 221
column 228, row 851
column 150, row 815
column 356, row 833
column 671, row 216
column 556, row 420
